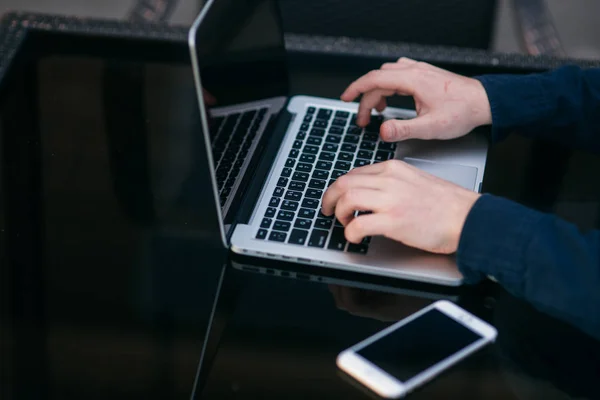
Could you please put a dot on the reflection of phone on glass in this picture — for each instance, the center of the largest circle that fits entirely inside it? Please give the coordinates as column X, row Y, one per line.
column 414, row 350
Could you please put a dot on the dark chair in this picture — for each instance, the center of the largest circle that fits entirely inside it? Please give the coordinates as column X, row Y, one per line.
column 462, row 23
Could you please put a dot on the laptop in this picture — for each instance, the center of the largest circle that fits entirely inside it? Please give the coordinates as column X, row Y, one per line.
column 272, row 156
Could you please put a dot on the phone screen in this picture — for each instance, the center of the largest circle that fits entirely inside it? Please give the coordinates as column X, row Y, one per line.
column 418, row 345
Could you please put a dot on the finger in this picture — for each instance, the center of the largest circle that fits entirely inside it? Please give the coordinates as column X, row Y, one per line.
column 376, row 224
column 346, row 183
column 406, row 62
column 382, row 105
column 358, row 200
column 422, row 127
column 391, row 172
column 369, row 101
column 396, row 80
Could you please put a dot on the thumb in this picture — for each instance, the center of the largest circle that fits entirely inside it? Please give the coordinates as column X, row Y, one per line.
column 422, row 127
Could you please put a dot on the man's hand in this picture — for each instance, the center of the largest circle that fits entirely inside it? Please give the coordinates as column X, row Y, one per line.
column 408, row 205
column 448, row 105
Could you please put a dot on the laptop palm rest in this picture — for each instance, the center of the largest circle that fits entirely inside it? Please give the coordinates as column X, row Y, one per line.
column 459, row 174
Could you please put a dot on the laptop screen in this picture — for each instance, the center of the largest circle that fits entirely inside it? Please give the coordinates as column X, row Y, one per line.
column 241, row 51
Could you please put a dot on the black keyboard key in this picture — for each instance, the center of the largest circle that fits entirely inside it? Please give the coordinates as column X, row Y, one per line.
column 308, row 119
column 300, row 176
column 294, row 153
column 314, row 193
column 310, row 203
column 262, row 234
column 354, row 131
column 367, row 146
column 308, row 158
column 291, row 195
column 358, row 248
column 365, row 154
column 371, row 137
column 320, row 174
column 326, row 165
column 324, row 113
column 336, row 130
column 366, row 240
column 304, row 167
column 318, row 238
column 311, row 149
column 298, row 236
column 383, row 155
column 375, row 123
column 286, row 173
column 306, row 213
column 333, row 139
column 339, row 122
column 336, row 174
column 321, row 123
column 290, row 162
column 323, row 223
column 331, row 181
column 354, row 139
column 349, row 147
column 330, row 147
column 315, row 141
column 323, row 216
column 317, row 132
column 282, row 182
column 299, row 186
column 343, row 165
column 282, row 226
column 277, row 236
column 278, row 192
column 226, row 192
column 304, row 127
column 297, row 144
column 361, row 163
column 343, row 156
column 285, row 215
column 326, row 156
column 311, row 110
column 301, row 135
column 387, row 146
column 338, row 240
column 270, row 212
column 288, row 205
column 316, row 184
column 342, row 114
column 302, row 223
column 266, row 223
column 338, row 223
column 274, row 202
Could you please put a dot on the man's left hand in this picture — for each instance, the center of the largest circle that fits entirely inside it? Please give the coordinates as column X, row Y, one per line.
column 408, row 205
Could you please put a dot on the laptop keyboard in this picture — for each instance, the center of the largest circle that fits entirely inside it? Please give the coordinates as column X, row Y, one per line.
column 327, row 146
column 232, row 136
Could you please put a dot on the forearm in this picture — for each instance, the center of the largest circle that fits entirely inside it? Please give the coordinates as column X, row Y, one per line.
column 535, row 256
column 562, row 105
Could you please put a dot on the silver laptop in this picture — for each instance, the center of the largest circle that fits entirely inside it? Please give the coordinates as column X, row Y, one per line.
column 272, row 155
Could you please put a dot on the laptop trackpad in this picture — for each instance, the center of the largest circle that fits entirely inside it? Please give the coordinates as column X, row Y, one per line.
column 459, row 174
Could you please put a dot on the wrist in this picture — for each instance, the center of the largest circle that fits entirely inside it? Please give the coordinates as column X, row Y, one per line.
column 465, row 202
column 480, row 105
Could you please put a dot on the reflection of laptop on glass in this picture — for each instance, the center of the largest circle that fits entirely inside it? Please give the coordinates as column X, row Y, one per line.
column 280, row 154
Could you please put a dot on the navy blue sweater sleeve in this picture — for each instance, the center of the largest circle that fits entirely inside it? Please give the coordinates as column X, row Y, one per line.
column 535, row 256
column 562, row 105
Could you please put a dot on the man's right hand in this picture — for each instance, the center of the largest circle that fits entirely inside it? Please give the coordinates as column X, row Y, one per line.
column 448, row 105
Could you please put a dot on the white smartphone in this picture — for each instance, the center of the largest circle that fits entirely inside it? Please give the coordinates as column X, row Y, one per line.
column 412, row 351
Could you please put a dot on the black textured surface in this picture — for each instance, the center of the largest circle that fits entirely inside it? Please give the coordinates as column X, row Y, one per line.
column 463, row 23
column 16, row 27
